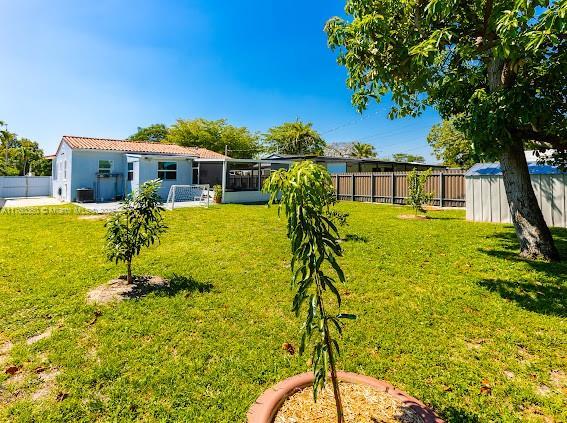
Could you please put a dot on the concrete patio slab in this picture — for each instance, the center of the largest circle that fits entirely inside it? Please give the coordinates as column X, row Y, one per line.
column 19, row 202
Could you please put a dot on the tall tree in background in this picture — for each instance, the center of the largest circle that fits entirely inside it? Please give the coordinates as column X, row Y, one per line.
column 294, row 138
column 408, row 158
column 499, row 64
column 153, row 133
column 21, row 156
column 363, row 150
column 452, row 146
column 215, row 135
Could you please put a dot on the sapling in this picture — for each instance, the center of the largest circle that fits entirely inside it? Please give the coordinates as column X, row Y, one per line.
column 138, row 223
column 417, row 195
column 305, row 193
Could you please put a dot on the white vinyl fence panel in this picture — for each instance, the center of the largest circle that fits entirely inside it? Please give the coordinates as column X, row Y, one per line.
column 486, row 198
column 25, row 186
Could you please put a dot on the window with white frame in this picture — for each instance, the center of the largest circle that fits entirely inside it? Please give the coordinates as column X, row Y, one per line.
column 130, row 171
column 105, row 167
column 167, row 171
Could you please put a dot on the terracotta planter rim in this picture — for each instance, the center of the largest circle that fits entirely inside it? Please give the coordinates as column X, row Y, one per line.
column 266, row 407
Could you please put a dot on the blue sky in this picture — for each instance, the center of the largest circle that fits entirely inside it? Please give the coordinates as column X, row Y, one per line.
column 103, row 68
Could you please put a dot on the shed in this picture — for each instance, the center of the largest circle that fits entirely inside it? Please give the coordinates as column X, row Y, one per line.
column 486, row 197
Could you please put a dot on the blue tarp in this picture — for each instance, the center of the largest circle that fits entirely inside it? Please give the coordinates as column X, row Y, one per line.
column 493, row 169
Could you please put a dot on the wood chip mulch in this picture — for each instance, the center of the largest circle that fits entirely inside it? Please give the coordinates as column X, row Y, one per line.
column 361, row 404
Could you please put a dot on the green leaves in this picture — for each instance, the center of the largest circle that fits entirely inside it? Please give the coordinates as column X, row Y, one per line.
column 306, row 194
column 139, row 223
column 441, row 52
column 417, row 195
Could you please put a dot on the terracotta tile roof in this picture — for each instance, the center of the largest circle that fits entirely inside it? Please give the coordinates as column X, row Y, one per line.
column 128, row 146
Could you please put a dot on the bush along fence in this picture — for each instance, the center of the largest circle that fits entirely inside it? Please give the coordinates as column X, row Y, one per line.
column 447, row 186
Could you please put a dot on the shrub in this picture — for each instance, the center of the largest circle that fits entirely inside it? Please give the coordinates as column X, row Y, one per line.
column 217, row 192
column 139, row 223
column 306, row 195
column 417, row 196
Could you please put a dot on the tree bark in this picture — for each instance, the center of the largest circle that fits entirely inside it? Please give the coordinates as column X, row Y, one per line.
column 129, row 277
column 532, row 231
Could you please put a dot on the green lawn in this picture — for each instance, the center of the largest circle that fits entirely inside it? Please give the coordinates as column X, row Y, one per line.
column 447, row 312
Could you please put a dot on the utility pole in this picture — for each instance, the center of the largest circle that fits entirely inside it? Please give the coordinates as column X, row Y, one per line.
column 226, row 150
column 6, row 140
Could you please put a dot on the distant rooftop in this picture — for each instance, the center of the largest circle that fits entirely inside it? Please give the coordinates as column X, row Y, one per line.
column 277, row 156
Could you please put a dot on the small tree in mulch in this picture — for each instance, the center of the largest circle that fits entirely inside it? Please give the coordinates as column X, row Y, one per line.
column 139, row 223
column 417, row 195
column 306, row 194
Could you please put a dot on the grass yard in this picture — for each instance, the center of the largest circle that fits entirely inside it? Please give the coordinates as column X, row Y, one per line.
column 447, row 312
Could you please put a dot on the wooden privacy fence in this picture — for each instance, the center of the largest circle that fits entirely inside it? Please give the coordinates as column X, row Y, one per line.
column 447, row 186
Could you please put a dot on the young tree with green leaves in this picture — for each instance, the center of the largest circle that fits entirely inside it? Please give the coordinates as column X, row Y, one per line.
column 417, row 194
column 139, row 223
column 498, row 64
column 215, row 135
column 305, row 193
column 153, row 133
column 452, row 146
column 294, row 138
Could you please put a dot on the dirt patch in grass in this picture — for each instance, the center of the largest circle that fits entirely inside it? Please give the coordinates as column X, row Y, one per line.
column 5, row 349
column 412, row 217
column 119, row 289
column 47, row 386
column 93, row 217
column 40, row 336
column 361, row 404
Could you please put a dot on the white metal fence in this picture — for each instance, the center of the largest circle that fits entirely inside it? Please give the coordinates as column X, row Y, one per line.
column 486, row 198
column 25, row 186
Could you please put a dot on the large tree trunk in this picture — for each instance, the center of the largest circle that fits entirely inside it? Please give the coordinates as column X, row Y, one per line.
column 531, row 229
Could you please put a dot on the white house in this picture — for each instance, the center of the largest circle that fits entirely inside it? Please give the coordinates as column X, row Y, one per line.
column 111, row 169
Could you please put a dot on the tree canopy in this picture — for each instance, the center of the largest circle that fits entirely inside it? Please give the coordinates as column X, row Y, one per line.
column 407, row 158
column 363, row 150
column 153, row 133
column 294, row 138
column 452, row 146
column 215, row 135
column 21, row 156
column 499, row 65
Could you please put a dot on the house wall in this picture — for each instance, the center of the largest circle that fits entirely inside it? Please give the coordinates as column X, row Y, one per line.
column 62, row 166
column 149, row 170
column 242, row 197
column 486, row 198
column 85, row 168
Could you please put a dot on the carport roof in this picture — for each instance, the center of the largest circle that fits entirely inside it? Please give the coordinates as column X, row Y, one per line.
column 493, row 169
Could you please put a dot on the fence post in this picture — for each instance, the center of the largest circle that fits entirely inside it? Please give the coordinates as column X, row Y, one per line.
column 441, row 189
column 352, row 186
column 393, row 187
column 372, row 187
column 336, row 184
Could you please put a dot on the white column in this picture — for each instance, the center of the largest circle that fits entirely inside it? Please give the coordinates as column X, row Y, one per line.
column 224, row 170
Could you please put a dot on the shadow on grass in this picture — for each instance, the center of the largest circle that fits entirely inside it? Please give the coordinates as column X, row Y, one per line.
column 453, row 414
column 355, row 238
column 543, row 298
column 178, row 284
column 548, row 298
column 144, row 285
column 509, row 249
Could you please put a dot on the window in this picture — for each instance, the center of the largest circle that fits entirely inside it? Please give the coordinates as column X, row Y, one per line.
column 167, row 171
column 130, row 171
column 104, row 167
